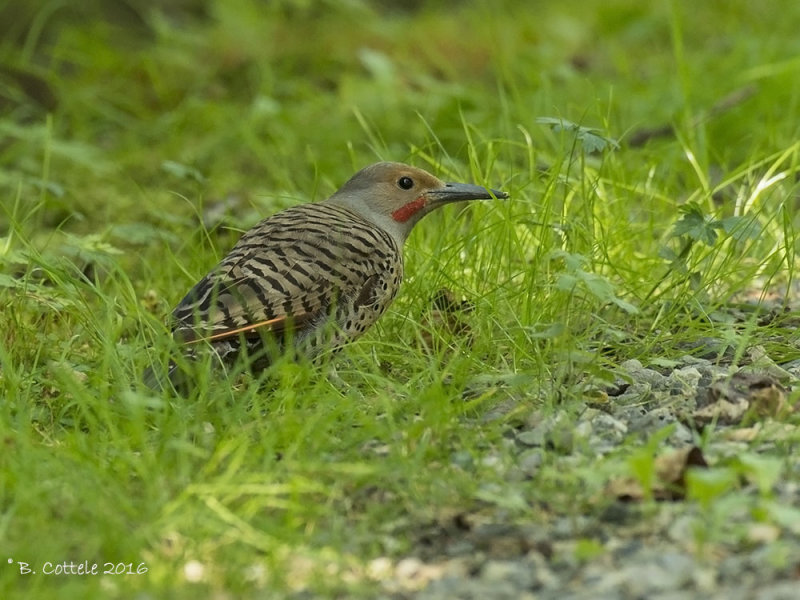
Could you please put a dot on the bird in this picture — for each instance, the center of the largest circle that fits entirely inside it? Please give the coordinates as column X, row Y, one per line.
column 314, row 276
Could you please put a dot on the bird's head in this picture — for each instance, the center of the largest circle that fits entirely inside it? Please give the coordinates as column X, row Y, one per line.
column 395, row 196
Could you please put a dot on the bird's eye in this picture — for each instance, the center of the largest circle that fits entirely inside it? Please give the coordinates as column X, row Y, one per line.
column 405, row 183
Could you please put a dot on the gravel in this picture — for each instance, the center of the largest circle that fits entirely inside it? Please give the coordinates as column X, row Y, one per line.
column 631, row 548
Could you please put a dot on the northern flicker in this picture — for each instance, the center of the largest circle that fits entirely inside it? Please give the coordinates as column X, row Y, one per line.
column 316, row 275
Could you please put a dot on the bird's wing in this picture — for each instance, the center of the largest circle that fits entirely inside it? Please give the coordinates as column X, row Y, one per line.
column 245, row 306
column 271, row 280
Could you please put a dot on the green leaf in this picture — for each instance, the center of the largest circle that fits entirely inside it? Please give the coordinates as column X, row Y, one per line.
column 91, row 245
column 596, row 285
column 571, row 260
column 566, row 282
column 593, row 142
column 665, row 363
column 546, row 331
column 765, row 471
column 642, row 461
column 741, row 228
column 8, row 281
column 694, row 224
column 182, row 171
column 502, row 497
column 667, row 253
column 706, row 485
column 626, row 306
column 587, row 549
column 590, row 139
column 602, row 289
column 784, row 515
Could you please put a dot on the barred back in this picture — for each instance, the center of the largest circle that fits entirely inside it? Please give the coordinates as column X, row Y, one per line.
column 297, row 268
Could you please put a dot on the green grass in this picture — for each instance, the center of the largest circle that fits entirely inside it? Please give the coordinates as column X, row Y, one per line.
column 137, row 145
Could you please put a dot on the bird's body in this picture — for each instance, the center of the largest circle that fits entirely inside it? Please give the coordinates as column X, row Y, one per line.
column 315, row 275
column 325, row 266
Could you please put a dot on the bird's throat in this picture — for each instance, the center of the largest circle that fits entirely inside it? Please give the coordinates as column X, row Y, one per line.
column 405, row 212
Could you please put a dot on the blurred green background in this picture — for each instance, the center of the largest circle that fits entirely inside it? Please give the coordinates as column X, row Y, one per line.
column 264, row 96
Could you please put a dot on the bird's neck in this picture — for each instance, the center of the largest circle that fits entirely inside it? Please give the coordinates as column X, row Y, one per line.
column 397, row 230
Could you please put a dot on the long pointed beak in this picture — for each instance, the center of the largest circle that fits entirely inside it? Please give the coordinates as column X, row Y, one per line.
column 457, row 192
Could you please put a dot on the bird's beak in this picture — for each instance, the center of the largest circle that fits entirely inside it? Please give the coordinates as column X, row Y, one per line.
column 458, row 192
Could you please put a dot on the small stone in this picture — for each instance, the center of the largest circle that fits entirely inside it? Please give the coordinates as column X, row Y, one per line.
column 462, row 459
column 194, row 571
column 408, row 568
column 619, row 513
column 684, row 381
column 785, row 590
column 256, row 573
column 530, row 461
column 583, row 429
column 493, row 461
column 631, row 365
column 520, row 575
column 696, row 361
column 604, row 426
column 640, row 374
column 413, row 574
column 532, row 437
column 763, row 533
column 379, row 568
column 682, row 528
column 460, row 547
column 652, row 420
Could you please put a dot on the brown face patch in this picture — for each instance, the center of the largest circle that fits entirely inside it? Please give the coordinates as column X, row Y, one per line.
column 405, row 212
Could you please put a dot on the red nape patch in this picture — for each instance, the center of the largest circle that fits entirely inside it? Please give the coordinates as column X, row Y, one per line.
column 405, row 212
